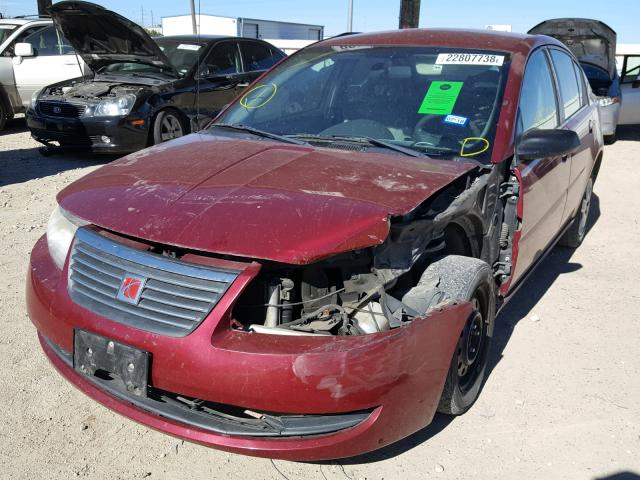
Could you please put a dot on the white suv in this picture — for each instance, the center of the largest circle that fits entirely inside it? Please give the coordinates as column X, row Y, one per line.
column 33, row 54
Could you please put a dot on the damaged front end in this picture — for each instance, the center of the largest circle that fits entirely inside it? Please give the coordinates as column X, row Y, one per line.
column 379, row 288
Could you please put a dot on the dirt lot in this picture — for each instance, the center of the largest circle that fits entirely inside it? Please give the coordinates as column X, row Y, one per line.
column 562, row 399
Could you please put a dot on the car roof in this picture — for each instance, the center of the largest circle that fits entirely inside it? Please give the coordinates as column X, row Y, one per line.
column 23, row 21
column 205, row 38
column 437, row 37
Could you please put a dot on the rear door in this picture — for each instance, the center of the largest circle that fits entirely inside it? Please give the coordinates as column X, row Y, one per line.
column 544, row 180
column 630, row 86
column 54, row 61
column 577, row 115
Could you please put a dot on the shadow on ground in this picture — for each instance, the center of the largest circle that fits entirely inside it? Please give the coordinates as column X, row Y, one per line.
column 621, row 476
column 557, row 262
column 15, row 125
column 23, row 164
column 628, row 132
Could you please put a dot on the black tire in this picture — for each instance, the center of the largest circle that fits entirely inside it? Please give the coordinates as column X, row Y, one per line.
column 166, row 126
column 574, row 236
column 465, row 279
column 4, row 116
column 610, row 139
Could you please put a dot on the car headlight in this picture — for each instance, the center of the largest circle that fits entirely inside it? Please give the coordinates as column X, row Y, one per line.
column 606, row 101
column 115, row 107
column 34, row 99
column 61, row 229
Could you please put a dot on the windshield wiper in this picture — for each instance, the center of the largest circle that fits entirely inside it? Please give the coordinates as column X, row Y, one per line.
column 259, row 133
column 370, row 140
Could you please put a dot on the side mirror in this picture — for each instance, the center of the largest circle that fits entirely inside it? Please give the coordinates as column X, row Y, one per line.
column 23, row 50
column 539, row 143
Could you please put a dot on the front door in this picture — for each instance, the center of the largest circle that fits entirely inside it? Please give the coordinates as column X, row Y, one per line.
column 630, row 87
column 54, row 61
column 544, row 181
column 220, row 81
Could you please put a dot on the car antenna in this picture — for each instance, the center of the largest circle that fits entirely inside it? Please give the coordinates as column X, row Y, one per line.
column 198, row 69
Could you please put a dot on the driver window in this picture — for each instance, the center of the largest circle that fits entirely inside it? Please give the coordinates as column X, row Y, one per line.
column 20, row 38
column 538, row 108
column 632, row 69
column 45, row 42
column 222, row 60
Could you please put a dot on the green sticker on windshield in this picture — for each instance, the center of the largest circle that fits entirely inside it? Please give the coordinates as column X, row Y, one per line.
column 440, row 98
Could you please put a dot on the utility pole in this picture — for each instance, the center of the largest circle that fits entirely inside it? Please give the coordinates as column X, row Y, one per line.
column 350, row 17
column 142, row 15
column 409, row 13
column 193, row 17
column 152, row 24
column 43, row 7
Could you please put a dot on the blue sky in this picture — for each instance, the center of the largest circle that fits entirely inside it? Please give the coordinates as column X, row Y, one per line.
column 369, row 15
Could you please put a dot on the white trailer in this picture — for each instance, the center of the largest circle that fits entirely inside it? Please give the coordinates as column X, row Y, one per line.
column 288, row 36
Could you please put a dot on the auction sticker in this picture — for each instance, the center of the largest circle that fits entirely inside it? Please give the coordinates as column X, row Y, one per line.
column 440, row 98
column 469, row 59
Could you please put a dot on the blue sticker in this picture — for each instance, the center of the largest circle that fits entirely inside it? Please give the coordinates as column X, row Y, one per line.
column 455, row 120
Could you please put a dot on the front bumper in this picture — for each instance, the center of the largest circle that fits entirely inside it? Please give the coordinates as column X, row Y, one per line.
column 609, row 116
column 394, row 379
column 87, row 133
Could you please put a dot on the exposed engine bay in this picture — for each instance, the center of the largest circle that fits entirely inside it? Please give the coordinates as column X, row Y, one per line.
column 88, row 92
column 384, row 287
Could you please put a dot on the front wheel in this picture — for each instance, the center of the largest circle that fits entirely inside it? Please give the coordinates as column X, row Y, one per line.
column 465, row 279
column 167, row 126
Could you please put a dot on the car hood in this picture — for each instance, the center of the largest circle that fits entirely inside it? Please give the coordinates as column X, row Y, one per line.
column 259, row 199
column 102, row 37
column 591, row 41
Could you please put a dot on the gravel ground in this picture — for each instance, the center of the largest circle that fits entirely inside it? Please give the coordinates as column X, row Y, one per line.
column 562, row 399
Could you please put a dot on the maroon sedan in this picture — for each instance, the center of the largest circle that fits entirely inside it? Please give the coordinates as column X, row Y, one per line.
column 319, row 272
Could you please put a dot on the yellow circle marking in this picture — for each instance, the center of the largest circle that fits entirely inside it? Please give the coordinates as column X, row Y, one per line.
column 245, row 101
column 469, row 139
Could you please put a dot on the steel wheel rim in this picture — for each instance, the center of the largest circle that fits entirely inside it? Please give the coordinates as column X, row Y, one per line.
column 471, row 349
column 170, row 128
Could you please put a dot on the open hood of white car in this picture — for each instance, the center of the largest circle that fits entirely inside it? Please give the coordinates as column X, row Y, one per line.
column 590, row 41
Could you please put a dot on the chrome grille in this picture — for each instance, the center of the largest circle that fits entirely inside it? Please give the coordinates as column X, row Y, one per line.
column 61, row 109
column 175, row 298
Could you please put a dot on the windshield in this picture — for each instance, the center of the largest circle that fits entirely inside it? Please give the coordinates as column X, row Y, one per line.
column 181, row 54
column 436, row 101
column 5, row 31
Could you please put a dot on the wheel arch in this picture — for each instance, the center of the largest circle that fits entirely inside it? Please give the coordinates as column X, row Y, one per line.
column 463, row 236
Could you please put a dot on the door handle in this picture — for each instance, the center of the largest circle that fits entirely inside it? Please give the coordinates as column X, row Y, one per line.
column 565, row 158
column 242, row 84
column 590, row 125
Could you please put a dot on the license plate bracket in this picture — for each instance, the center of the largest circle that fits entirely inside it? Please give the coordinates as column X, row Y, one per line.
column 125, row 368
